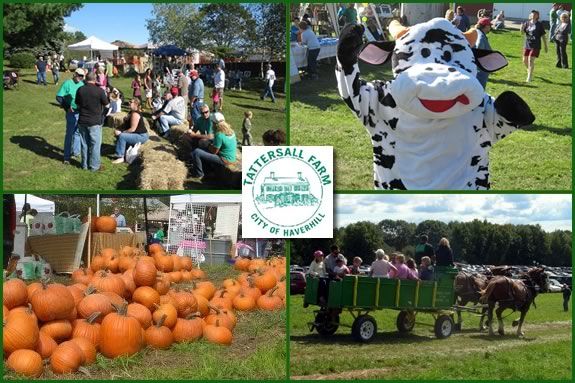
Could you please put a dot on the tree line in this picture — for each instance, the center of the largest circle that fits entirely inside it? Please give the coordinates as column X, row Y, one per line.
column 475, row 242
column 221, row 28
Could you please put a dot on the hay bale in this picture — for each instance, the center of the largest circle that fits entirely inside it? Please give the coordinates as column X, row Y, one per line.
column 161, row 169
column 116, row 120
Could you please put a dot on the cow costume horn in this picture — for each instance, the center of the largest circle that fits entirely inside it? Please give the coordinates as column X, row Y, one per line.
column 397, row 30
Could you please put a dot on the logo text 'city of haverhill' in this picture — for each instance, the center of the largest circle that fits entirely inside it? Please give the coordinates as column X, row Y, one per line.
column 287, row 192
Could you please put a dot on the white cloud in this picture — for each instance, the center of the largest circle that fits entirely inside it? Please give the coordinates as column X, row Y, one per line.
column 551, row 211
column 70, row 28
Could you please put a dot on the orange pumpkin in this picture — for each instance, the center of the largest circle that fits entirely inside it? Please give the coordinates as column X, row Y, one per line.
column 243, row 302
column 94, row 302
column 185, row 302
column 188, row 329
column 205, row 289
column 159, row 336
column 98, row 263
column 226, row 317
column 46, row 345
column 120, row 335
column 270, row 301
column 52, row 301
column 141, row 313
column 222, row 300
column 26, row 362
column 88, row 349
column 14, row 293
column 265, row 281
column 106, row 224
column 59, row 330
column 145, row 273
column 20, row 331
column 126, row 263
column 88, row 328
column 218, row 334
column 155, row 248
column 198, row 274
column 162, row 285
column 66, row 358
column 146, row 296
column 168, row 311
column 32, row 288
column 165, row 263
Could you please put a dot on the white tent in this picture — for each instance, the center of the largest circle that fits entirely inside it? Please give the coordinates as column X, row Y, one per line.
column 93, row 43
column 40, row 204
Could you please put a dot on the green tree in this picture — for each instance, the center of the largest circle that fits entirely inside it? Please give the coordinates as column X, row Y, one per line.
column 227, row 25
column 361, row 239
column 397, row 233
column 176, row 23
column 270, row 30
column 35, row 27
column 435, row 230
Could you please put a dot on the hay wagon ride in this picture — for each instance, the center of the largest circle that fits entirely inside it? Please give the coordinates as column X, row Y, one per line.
column 360, row 295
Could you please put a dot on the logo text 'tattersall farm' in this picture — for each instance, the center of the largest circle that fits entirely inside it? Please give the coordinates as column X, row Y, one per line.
column 271, row 155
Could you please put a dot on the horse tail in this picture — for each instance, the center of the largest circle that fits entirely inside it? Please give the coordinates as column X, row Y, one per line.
column 486, row 293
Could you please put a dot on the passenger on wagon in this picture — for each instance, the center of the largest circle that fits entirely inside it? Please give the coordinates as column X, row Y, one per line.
column 412, row 268
column 341, row 269
column 403, row 271
column 425, row 269
column 354, row 270
column 317, row 267
column 381, row 267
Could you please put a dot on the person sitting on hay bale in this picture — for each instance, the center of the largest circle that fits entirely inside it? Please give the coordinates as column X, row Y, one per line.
column 115, row 102
column 134, row 131
column 202, row 133
column 174, row 113
column 220, row 153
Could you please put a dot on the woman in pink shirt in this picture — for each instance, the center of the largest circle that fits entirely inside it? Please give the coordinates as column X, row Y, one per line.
column 402, row 272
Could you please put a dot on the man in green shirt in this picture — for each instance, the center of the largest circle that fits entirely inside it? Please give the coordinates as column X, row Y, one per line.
column 350, row 14
column 202, row 133
column 66, row 97
column 424, row 249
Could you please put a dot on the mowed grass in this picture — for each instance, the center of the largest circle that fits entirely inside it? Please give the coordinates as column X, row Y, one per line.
column 544, row 353
column 258, row 351
column 34, row 129
column 535, row 158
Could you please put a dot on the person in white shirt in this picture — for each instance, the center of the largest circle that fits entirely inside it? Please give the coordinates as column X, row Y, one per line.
column 270, row 79
column 307, row 37
column 317, row 267
column 220, row 84
column 174, row 113
column 381, row 267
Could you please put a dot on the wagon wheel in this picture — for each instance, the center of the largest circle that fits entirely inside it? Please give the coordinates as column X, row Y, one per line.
column 443, row 326
column 364, row 328
column 405, row 321
column 326, row 324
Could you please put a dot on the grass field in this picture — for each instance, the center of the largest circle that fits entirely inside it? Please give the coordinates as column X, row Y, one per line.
column 543, row 354
column 34, row 130
column 257, row 352
column 536, row 158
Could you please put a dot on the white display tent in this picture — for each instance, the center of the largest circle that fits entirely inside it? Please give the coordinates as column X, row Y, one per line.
column 93, row 43
column 40, row 204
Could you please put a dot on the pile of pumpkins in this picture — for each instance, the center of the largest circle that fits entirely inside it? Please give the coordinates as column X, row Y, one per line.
column 128, row 300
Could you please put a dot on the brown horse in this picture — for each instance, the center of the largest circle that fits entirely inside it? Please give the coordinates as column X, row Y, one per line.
column 468, row 289
column 514, row 294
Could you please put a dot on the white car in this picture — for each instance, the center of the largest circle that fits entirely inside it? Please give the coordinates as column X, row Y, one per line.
column 555, row 286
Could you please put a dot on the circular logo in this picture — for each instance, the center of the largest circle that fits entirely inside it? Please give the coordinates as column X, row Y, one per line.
column 287, row 191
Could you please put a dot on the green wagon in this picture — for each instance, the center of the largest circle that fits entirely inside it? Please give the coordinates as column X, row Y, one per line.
column 361, row 295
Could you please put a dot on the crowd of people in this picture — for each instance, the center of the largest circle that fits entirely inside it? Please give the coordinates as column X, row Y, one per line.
column 172, row 97
column 395, row 265
column 533, row 29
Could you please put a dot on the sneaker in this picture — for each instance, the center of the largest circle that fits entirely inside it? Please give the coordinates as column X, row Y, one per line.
column 100, row 169
column 119, row 161
column 66, row 162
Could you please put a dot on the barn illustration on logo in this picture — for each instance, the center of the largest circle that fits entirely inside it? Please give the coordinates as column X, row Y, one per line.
column 286, row 191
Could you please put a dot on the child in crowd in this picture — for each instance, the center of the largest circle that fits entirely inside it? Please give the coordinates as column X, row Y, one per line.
column 425, row 269
column 357, row 261
column 137, row 87
column 340, row 269
column 246, row 129
column 410, row 263
column 215, row 100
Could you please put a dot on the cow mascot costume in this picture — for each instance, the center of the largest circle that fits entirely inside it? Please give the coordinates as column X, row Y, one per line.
column 431, row 126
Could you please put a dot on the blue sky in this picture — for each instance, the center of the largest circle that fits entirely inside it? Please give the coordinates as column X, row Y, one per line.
column 112, row 21
column 551, row 211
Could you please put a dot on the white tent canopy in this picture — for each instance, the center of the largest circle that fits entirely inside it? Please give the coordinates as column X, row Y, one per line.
column 93, row 43
column 40, row 204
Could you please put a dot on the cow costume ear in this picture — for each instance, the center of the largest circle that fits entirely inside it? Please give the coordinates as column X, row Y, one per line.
column 377, row 52
column 489, row 61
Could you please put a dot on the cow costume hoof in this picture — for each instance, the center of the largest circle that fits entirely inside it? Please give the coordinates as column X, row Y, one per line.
column 433, row 125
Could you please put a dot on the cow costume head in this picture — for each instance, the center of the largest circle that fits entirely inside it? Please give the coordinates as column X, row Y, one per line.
column 435, row 67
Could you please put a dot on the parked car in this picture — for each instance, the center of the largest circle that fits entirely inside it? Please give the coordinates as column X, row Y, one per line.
column 555, row 286
column 297, row 282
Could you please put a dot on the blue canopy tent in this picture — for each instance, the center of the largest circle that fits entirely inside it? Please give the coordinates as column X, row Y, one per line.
column 169, row 50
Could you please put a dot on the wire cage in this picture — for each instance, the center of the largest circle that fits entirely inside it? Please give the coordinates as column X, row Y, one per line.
column 187, row 230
